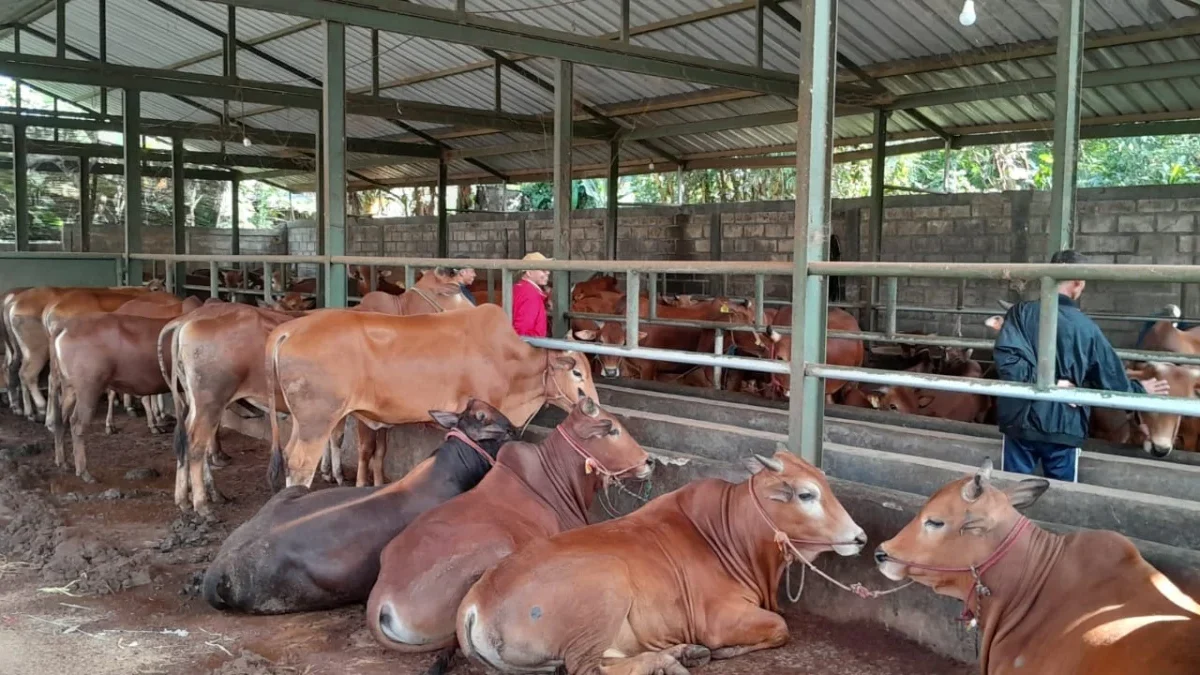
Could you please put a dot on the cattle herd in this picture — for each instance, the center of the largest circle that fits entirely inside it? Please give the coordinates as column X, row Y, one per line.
column 485, row 548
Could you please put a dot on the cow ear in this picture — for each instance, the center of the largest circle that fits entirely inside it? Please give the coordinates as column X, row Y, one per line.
column 924, row 401
column 642, row 335
column 994, row 322
column 967, row 354
column 775, row 335
column 756, row 463
column 446, row 420
column 564, row 362
column 1026, row 492
column 585, row 335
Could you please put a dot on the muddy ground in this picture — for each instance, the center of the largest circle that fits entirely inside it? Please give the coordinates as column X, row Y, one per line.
column 102, row 580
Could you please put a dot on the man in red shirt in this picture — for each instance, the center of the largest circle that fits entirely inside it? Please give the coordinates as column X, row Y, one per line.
column 529, row 301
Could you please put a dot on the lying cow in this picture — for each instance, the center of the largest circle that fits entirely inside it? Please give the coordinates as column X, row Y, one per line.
column 946, row 405
column 393, row 369
column 306, row 551
column 539, row 490
column 692, row 576
column 838, row 352
column 1085, row 603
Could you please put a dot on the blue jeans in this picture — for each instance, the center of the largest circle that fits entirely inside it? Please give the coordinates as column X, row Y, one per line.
column 1060, row 462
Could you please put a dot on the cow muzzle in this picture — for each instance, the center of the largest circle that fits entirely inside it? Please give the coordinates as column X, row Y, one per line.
column 888, row 567
column 859, row 542
column 1156, row 450
column 645, row 470
column 608, row 371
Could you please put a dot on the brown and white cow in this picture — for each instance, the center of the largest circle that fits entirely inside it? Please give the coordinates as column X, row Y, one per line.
column 12, row 359
column 1085, row 603
column 946, row 405
column 1162, row 431
column 394, row 369
column 693, row 575
column 533, row 492
column 838, row 352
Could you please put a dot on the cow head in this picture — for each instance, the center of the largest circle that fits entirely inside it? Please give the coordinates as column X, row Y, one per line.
column 960, row 527
column 1161, row 430
column 479, row 422
column 291, row 302
column 899, row 399
column 613, row 451
column 609, row 333
column 154, row 285
column 783, row 352
column 568, row 379
column 749, row 343
column 797, row 499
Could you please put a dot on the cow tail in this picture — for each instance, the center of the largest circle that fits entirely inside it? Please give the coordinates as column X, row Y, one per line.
column 178, row 400
column 275, row 471
column 13, row 379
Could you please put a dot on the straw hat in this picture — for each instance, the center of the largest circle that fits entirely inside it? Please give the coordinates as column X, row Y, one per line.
column 535, row 256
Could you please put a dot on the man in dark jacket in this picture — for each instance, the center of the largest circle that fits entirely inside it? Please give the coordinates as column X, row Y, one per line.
column 1053, row 432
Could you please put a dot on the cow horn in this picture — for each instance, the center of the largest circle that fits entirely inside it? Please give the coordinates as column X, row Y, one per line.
column 973, row 490
column 770, row 462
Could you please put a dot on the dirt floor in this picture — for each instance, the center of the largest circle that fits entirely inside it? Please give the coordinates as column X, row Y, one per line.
column 102, row 580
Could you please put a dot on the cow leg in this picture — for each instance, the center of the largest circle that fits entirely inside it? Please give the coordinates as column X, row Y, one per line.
column 151, row 418
column 745, row 628
column 202, row 433
column 308, row 441
column 210, row 488
column 127, row 402
column 60, row 430
column 81, row 417
column 379, row 454
column 365, row 440
column 31, row 371
column 217, row 457
column 109, row 429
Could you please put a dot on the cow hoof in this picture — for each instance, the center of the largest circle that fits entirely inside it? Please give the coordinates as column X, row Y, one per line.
column 109, row 431
column 87, row 478
column 695, row 656
column 217, row 498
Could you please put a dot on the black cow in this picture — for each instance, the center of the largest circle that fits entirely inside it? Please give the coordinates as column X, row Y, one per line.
column 306, row 551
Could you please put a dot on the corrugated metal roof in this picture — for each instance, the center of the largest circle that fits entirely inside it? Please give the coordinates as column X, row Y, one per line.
column 869, row 34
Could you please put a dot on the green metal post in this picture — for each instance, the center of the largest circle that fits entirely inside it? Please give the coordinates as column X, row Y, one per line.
column 102, row 11
column 1068, row 85
column 759, row 38
column 506, row 283
column 85, row 204
column 875, row 236
column 374, row 62
column 652, row 277
column 322, row 197
column 633, row 282
column 1047, row 334
column 760, row 297
column 133, row 183
column 60, row 28
column 214, row 280
column 625, row 22
column 231, row 43
column 178, row 212
column 443, row 222
column 563, row 125
column 235, row 216
column 814, row 156
column 410, row 276
column 333, row 159
column 268, row 283
column 611, row 212
column 21, row 186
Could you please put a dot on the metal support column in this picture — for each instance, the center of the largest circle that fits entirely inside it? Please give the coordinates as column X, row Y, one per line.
column 625, row 21
column 1068, row 85
column 21, row 186
column 679, row 191
column 85, row 204
column 178, row 211
column 814, row 148
column 443, row 222
column 321, row 198
column 333, row 160
column 103, row 28
column 875, row 236
column 1047, row 335
column 498, row 86
column 612, row 195
column 231, row 44
column 60, row 28
column 132, row 113
column 759, row 23
column 235, row 215
column 374, row 62
column 563, row 121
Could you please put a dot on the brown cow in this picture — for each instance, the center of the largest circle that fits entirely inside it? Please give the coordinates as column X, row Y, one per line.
column 535, row 491
column 24, row 317
column 707, row 587
column 393, row 369
column 599, row 282
column 12, row 359
column 946, row 405
column 217, row 352
column 305, row 551
column 1161, row 430
column 99, row 351
column 1085, row 603
column 838, row 352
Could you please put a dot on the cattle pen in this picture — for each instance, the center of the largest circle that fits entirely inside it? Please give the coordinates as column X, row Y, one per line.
column 341, row 97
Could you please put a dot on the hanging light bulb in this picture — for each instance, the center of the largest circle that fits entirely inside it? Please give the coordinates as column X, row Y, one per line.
column 246, row 141
column 967, row 18
column 651, row 166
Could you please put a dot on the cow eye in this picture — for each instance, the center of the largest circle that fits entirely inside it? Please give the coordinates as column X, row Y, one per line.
column 806, row 496
column 614, row 432
column 934, row 524
column 576, row 373
column 481, row 416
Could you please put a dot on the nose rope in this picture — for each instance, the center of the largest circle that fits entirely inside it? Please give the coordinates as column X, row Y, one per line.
column 458, row 433
column 979, row 590
column 787, row 546
column 590, row 463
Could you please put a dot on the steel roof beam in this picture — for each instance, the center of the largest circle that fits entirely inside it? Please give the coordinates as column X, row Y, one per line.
column 449, row 26
column 115, row 152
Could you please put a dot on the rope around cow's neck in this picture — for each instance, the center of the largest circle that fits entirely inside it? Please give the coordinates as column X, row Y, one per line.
column 421, row 294
column 787, row 546
column 458, row 433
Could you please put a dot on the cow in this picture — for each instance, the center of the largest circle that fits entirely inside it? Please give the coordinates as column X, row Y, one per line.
column 393, row 369
column 217, row 355
column 658, row 336
column 946, row 405
column 306, row 551
column 23, row 316
column 597, row 283
column 838, row 352
column 12, row 360
column 1161, row 430
column 536, row 491
column 706, row 588
column 1084, row 603
column 96, row 352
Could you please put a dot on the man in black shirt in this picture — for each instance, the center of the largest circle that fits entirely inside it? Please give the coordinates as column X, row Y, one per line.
column 1053, row 432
